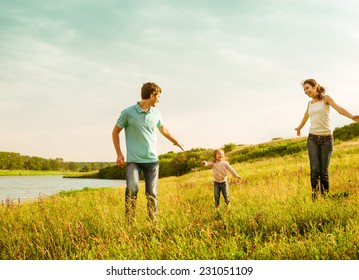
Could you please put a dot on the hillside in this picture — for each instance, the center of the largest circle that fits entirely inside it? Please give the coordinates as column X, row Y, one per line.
column 177, row 164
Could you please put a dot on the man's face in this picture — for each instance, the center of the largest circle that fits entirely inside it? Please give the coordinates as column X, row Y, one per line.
column 155, row 99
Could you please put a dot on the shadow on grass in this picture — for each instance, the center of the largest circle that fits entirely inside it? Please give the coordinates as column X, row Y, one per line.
column 339, row 195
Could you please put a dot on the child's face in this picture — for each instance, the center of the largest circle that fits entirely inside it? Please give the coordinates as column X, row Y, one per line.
column 219, row 156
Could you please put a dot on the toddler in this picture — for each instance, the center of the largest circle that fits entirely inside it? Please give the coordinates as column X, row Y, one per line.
column 220, row 167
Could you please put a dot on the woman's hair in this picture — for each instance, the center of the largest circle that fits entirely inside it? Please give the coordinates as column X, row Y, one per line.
column 320, row 89
column 148, row 89
column 215, row 153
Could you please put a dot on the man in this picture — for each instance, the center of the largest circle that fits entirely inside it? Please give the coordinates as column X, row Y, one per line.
column 139, row 122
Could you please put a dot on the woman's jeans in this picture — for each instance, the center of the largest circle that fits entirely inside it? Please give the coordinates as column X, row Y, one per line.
column 218, row 189
column 320, row 149
column 150, row 172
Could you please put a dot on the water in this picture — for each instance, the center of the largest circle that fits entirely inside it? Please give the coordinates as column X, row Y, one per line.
column 29, row 187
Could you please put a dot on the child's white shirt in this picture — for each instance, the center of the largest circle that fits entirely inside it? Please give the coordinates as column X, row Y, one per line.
column 219, row 170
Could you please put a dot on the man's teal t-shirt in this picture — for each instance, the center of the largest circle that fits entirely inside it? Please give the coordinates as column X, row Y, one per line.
column 141, row 137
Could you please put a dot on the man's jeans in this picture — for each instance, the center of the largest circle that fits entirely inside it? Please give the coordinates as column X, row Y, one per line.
column 218, row 188
column 150, row 172
column 320, row 149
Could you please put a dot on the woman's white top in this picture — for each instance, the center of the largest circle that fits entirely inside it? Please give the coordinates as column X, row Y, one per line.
column 319, row 118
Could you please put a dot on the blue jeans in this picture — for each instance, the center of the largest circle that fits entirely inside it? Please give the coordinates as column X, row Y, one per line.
column 218, row 189
column 150, row 172
column 320, row 149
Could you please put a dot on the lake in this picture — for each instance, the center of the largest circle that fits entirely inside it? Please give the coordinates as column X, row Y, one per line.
column 29, row 187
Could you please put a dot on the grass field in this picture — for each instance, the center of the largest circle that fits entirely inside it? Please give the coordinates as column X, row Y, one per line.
column 272, row 217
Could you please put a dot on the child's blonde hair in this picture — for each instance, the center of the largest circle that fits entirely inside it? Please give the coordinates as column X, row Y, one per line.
column 215, row 153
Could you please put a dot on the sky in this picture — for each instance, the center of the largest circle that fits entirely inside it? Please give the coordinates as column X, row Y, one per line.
column 230, row 70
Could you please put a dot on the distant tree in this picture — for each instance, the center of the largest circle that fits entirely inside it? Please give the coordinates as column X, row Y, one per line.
column 347, row 132
column 95, row 166
column 73, row 166
column 34, row 163
column 15, row 162
column 56, row 164
column 229, row 147
column 4, row 160
column 45, row 164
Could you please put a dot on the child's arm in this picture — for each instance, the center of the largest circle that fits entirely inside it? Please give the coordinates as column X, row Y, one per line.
column 206, row 163
column 231, row 170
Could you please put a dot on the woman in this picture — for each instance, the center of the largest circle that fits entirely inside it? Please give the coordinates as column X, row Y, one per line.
column 320, row 139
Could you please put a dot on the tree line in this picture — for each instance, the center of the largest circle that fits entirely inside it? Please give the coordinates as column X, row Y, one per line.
column 175, row 164
column 16, row 161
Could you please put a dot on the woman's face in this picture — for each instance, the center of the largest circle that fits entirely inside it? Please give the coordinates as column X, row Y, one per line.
column 310, row 90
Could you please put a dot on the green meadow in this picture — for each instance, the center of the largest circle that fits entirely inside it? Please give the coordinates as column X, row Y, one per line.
column 271, row 217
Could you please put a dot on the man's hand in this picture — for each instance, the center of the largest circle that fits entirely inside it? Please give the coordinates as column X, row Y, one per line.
column 120, row 160
column 164, row 131
column 179, row 145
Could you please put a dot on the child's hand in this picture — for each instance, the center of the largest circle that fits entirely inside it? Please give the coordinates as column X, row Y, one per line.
column 203, row 162
column 239, row 180
column 235, row 181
